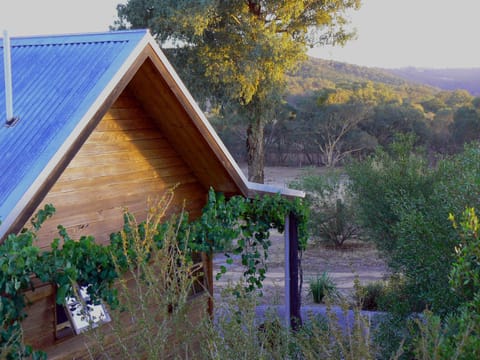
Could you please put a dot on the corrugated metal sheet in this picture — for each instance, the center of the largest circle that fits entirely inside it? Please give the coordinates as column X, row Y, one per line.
column 56, row 80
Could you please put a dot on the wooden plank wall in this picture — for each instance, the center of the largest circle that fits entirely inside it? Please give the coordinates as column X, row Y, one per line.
column 124, row 162
column 188, row 134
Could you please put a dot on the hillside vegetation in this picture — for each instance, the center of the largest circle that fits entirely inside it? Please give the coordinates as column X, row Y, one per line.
column 333, row 111
column 315, row 74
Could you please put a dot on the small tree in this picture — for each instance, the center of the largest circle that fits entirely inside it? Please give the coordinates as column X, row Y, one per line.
column 332, row 218
column 331, row 128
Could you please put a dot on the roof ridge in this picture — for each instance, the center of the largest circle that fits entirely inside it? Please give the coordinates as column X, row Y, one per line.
column 77, row 38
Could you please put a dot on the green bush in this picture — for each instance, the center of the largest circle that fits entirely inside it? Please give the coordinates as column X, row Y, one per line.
column 332, row 218
column 321, row 287
column 465, row 273
column 404, row 204
column 455, row 337
column 369, row 296
column 458, row 335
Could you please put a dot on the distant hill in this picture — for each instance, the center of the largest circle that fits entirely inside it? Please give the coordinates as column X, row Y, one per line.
column 447, row 79
column 315, row 74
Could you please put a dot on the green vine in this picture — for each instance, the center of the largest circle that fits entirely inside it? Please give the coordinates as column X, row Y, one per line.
column 76, row 262
column 245, row 223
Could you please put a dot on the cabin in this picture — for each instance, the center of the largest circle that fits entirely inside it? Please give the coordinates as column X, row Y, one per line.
column 95, row 123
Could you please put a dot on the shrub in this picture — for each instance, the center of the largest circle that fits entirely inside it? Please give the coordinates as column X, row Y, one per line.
column 163, row 284
column 322, row 286
column 457, row 336
column 332, row 218
column 236, row 334
column 152, row 320
column 370, row 296
column 404, row 205
column 336, row 336
column 428, row 335
column 465, row 273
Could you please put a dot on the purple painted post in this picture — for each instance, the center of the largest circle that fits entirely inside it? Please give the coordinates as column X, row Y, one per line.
column 293, row 264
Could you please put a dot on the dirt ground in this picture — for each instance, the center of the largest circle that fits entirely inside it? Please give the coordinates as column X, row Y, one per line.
column 343, row 265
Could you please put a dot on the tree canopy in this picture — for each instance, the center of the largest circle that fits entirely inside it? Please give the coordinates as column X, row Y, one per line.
column 238, row 52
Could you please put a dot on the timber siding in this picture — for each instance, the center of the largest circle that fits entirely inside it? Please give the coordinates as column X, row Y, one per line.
column 123, row 163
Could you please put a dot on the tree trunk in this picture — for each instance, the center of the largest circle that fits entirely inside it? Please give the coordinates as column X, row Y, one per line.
column 255, row 150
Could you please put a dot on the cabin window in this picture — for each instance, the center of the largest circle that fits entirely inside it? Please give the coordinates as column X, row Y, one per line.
column 79, row 314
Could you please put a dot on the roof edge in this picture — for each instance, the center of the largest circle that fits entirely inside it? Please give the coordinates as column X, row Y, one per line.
column 264, row 189
column 87, row 37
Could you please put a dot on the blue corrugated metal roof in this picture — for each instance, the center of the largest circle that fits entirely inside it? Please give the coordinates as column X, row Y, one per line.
column 56, row 80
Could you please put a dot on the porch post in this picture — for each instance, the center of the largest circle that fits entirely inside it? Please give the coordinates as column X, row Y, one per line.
column 293, row 265
column 287, row 271
column 207, row 260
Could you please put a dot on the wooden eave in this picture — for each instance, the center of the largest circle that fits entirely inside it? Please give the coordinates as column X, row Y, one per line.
column 164, row 97
column 188, row 130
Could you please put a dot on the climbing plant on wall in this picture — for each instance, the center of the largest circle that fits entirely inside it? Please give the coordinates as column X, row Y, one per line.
column 243, row 223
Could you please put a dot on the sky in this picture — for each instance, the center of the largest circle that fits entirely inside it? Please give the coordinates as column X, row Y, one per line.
column 390, row 33
column 421, row 33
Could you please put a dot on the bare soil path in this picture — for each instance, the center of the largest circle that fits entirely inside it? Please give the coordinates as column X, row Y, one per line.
column 343, row 265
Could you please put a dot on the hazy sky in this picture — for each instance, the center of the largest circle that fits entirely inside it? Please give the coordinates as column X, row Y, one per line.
column 424, row 33
column 32, row 17
column 391, row 33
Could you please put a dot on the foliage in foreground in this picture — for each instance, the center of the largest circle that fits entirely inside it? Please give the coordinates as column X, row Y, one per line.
column 237, row 332
column 456, row 335
column 459, row 336
column 161, row 311
column 404, row 204
column 155, row 304
column 153, row 293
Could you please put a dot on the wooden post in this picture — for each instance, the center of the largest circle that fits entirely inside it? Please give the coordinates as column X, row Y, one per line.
column 207, row 260
column 295, row 300
column 287, row 270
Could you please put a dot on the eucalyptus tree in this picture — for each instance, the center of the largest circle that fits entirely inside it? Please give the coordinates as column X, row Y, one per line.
column 331, row 127
column 238, row 51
